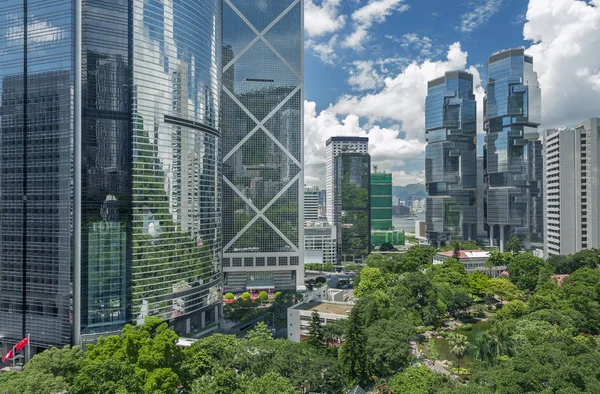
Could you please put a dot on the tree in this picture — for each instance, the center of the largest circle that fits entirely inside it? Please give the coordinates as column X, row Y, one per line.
column 370, row 279
column 221, row 381
column 334, row 331
column 513, row 310
column 455, row 249
column 524, row 270
column 259, row 333
column 245, row 295
column 504, row 289
column 229, row 296
column 478, row 283
column 459, row 346
column 271, row 383
column 387, row 347
column 418, row 380
column 513, row 245
column 65, row 362
column 498, row 259
column 386, row 247
column 315, row 334
column 263, row 296
column 32, row 382
column 107, row 376
column 352, row 351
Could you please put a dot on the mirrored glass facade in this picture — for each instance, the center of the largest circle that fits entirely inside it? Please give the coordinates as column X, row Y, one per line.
column 450, row 158
column 512, row 152
column 150, row 184
column 262, row 144
column 352, row 210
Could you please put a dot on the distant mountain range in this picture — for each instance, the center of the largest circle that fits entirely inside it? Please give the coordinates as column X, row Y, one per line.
column 412, row 190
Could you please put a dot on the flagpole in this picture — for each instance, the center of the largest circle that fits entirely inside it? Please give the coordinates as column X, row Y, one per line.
column 13, row 357
column 28, row 350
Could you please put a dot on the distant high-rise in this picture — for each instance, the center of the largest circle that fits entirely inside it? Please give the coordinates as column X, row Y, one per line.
column 512, row 152
column 334, row 146
column 263, row 178
column 352, row 213
column 450, row 158
column 381, row 201
column 572, row 188
column 110, row 171
column 311, row 203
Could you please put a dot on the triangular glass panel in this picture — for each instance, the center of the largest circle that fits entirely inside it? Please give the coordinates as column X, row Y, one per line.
column 261, row 12
column 236, row 123
column 236, row 35
column 284, row 213
column 286, row 125
column 236, row 213
column 286, row 37
column 260, row 237
column 261, row 80
column 260, row 169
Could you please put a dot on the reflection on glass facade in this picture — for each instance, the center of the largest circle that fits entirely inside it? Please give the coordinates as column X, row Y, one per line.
column 450, row 158
column 513, row 161
column 262, row 143
column 150, row 183
column 352, row 210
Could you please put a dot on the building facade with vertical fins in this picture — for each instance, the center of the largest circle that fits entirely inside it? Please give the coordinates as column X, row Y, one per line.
column 450, row 158
column 381, row 201
column 110, row 174
column 263, row 159
column 512, row 151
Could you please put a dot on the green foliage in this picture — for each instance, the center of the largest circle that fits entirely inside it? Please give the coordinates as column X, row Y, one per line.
column 432, row 350
column 370, row 279
column 498, row 259
column 353, row 350
column 263, row 296
column 524, row 270
column 315, row 336
column 513, row 310
column 387, row 347
column 513, row 245
column 277, row 294
column 386, row 247
column 259, row 333
column 504, row 289
column 460, row 245
column 459, row 345
column 271, row 383
column 245, row 295
column 31, row 382
column 326, row 267
column 418, row 380
column 229, row 296
column 478, row 283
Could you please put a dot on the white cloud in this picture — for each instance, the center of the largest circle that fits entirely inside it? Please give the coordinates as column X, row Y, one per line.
column 403, row 178
column 565, row 48
column 375, row 11
column 37, row 32
column 479, row 15
column 363, row 76
column 386, row 149
column 402, row 98
column 319, row 20
column 324, row 50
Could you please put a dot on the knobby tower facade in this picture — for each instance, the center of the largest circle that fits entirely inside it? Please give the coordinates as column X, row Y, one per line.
column 263, row 178
column 110, row 174
column 512, row 151
column 450, row 158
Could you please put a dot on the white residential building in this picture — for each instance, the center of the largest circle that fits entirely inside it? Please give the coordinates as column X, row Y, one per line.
column 299, row 316
column 336, row 145
column 311, row 203
column 321, row 237
column 572, row 188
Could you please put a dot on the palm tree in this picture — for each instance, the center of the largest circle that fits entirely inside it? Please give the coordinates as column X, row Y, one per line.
column 498, row 342
column 513, row 245
column 459, row 346
column 484, row 348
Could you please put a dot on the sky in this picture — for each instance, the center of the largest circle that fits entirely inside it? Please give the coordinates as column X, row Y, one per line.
column 367, row 63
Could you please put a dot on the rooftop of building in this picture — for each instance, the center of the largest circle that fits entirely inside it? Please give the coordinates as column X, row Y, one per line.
column 347, row 139
column 467, row 254
column 455, row 74
column 336, row 308
column 505, row 53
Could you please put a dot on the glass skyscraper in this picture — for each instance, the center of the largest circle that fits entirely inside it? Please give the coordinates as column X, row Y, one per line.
column 352, row 205
column 450, row 158
column 110, row 179
column 512, row 152
column 263, row 179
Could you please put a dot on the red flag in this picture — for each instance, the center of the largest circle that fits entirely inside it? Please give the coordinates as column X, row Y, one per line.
column 8, row 355
column 22, row 343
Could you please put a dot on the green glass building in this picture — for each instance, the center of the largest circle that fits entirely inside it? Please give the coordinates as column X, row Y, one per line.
column 381, row 201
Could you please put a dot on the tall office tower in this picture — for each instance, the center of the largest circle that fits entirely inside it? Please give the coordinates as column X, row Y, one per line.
column 263, row 160
column 381, row 201
column 311, row 203
column 109, row 167
column 321, row 237
column 513, row 160
column 352, row 213
column 450, row 158
column 572, row 189
column 481, row 187
column 334, row 146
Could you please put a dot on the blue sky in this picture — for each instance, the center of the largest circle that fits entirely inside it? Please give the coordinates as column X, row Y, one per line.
column 367, row 63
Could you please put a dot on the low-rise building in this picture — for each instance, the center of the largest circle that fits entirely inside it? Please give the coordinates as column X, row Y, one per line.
column 299, row 316
column 473, row 260
column 319, row 236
